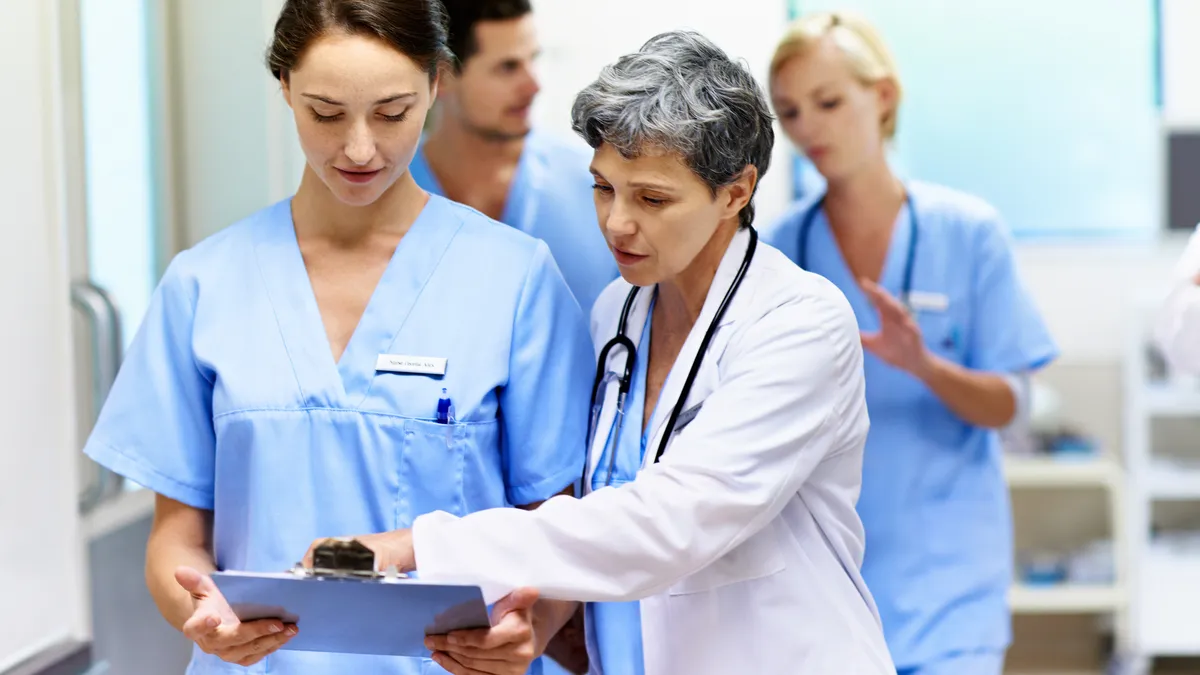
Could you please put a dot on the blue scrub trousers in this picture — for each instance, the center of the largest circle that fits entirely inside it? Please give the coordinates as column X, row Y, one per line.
column 963, row 663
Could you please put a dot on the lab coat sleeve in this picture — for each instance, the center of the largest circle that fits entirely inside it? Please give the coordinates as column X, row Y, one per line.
column 155, row 427
column 1007, row 332
column 790, row 395
column 1177, row 326
column 544, row 403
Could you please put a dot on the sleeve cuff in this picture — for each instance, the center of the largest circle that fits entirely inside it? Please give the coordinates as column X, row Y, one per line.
column 435, row 556
column 135, row 470
column 548, row 487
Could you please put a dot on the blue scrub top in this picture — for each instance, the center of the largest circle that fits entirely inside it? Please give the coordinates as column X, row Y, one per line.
column 615, row 628
column 551, row 199
column 934, row 502
column 229, row 398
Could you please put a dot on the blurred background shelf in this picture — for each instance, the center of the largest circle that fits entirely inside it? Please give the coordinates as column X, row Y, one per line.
column 1065, row 599
column 1035, row 472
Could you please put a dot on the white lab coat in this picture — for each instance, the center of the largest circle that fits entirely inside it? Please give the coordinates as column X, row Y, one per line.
column 1177, row 329
column 742, row 543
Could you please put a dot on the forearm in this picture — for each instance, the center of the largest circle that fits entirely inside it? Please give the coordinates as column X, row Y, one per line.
column 164, row 554
column 549, row 616
column 981, row 399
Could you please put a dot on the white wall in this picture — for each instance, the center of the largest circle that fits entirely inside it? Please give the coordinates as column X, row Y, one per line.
column 234, row 153
column 41, row 577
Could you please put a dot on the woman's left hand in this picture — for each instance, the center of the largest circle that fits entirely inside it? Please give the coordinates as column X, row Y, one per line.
column 391, row 548
column 898, row 342
column 507, row 648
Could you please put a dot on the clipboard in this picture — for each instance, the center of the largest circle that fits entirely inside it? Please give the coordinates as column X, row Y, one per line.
column 354, row 611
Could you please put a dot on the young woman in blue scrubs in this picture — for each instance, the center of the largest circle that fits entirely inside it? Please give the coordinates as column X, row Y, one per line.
column 285, row 382
column 943, row 374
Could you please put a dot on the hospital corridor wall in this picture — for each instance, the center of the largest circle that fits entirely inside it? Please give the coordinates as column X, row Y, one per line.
column 219, row 143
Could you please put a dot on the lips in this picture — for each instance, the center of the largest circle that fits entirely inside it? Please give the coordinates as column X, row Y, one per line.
column 626, row 259
column 359, row 176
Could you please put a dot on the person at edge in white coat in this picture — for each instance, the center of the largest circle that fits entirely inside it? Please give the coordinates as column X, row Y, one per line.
column 1177, row 330
column 739, row 550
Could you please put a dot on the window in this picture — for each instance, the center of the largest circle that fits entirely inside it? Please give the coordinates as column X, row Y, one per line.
column 1048, row 110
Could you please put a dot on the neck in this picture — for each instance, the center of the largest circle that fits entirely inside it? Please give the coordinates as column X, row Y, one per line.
column 317, row 212
column 865, row 197
column 681, row 298
column 455, row 141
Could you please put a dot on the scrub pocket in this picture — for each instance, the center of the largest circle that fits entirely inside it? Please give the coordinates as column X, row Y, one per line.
column 432, row 462
column 943, row 335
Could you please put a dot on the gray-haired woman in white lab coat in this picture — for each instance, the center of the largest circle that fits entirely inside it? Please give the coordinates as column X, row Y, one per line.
column 718, row 533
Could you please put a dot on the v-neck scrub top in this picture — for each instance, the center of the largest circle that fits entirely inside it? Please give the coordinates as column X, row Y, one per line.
column 229, row 398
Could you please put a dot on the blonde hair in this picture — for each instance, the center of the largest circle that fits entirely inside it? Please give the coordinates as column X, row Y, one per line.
column 858, row 40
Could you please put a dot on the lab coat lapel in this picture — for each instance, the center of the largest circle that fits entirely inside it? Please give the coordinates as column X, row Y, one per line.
column 638, row 315
column 673, row 387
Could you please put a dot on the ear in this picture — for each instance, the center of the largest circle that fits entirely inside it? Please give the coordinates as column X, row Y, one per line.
column 888, row 95
column 433, row 86
column 738, row 193
column 286, row 88
column 447, row 82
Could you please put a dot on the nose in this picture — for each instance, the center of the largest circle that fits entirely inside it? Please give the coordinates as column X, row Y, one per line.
column 533, row 84
column 360, row 145
column 618, row 223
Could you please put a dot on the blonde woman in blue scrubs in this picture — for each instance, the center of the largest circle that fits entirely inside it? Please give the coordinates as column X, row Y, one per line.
column 944, row 373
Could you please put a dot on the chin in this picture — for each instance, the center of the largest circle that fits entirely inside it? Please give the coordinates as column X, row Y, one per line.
column 638, row 277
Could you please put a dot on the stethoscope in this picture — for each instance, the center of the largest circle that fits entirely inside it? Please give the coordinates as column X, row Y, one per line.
column 906, row 285
column 604, row 376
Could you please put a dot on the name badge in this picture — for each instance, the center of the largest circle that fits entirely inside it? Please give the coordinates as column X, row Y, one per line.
column 922, row 301
column 413, row 365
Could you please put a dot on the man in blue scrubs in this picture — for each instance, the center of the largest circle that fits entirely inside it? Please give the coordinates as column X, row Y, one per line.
column 482, row 151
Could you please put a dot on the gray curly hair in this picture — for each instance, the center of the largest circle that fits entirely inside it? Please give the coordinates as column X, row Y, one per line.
column 681, row 94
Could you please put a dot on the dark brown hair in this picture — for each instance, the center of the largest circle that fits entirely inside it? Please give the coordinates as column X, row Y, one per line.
column 416, row 28
column 465, row 14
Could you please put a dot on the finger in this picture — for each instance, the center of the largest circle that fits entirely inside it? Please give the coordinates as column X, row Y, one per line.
column 1196, row 279
column 242, row 634
column 307, row 561
column 201, row 626
column 885, row 302
column 199, row 585
column 519, row 600
column 514, row 628
column 258, row 648
column 440, row 643
column 451, row 664
column 871, row 341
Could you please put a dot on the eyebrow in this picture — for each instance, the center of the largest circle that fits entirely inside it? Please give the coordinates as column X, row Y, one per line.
column 383, row 101
column 640, row 185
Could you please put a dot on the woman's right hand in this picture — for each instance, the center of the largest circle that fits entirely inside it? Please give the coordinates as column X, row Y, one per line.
column 216, row 630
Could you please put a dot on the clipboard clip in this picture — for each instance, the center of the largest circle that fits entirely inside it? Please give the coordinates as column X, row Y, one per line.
column 346, row 559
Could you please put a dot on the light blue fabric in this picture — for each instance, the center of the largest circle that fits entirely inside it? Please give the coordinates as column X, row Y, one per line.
column 934, row 502
column 229, row 398
column 551, row 199
column 973, row 663
column 616, row 627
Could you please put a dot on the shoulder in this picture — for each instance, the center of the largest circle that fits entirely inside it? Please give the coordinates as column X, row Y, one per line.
column 955, row 211
column 810, row 300
column 560, row 147
column 784, row 232
column 480, row 231
column 229, row 248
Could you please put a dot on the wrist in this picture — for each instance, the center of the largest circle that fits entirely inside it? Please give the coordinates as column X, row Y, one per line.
column 927, row 366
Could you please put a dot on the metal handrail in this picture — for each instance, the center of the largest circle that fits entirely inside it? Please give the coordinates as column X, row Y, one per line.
column 107, row 350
